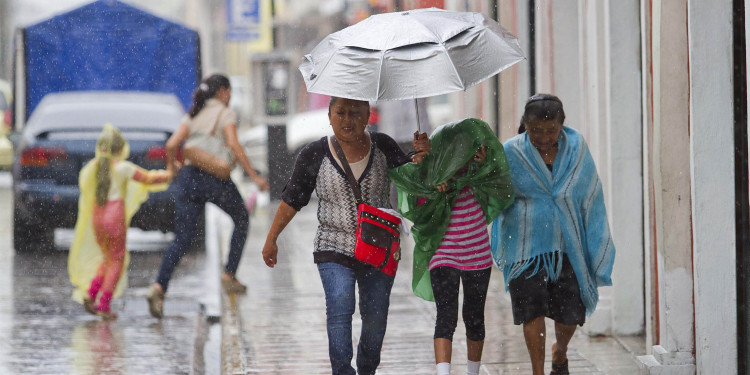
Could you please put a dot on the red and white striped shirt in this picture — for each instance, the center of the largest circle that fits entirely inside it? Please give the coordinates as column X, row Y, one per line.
column 465, row 244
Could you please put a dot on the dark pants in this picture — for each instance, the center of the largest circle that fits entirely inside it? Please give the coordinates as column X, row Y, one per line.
column 445, row 282
column 196, row 187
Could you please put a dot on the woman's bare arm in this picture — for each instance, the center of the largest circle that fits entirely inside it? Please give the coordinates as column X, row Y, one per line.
column 284, row 214
column 152, row 177
column 230, row 135
column 173, row 143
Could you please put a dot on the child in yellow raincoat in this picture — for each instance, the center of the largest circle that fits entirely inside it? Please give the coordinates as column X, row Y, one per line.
column 112, row 190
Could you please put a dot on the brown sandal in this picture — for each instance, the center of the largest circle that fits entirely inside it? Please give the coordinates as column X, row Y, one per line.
column 232, row 285
column 560, row 369
column 155, row 298
column 88, row 305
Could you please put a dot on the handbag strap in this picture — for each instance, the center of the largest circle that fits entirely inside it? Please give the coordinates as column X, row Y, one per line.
column 349, row 174
column 218, row 117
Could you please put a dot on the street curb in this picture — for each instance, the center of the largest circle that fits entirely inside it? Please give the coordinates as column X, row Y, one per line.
column 211, row 302
column 232, row 348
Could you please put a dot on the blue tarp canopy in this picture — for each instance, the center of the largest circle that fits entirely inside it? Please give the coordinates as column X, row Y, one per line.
column 109, row 45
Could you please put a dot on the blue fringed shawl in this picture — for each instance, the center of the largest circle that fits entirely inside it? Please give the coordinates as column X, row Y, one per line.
column 559, row 211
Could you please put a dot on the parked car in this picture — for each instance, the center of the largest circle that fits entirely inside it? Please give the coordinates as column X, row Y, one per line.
column 60, row 138
column 6, row 147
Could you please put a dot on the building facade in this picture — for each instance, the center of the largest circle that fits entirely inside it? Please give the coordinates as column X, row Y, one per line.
column 653, row 85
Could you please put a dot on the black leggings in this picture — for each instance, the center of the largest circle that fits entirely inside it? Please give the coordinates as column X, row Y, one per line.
column 445, row 282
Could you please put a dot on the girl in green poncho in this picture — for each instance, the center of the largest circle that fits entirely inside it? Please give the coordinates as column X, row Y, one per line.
column 451, row 197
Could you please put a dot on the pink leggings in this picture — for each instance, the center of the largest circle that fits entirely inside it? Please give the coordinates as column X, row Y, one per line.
column 110, row 231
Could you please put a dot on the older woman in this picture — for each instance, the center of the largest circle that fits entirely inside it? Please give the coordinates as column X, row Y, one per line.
column 370, row 156
column 553, row 243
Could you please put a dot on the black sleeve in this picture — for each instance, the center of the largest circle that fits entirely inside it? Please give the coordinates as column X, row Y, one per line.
column 301, row 184
column 393, row 153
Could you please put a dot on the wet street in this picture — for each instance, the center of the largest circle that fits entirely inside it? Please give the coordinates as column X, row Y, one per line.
column 282, row 318
column 42, row 331
column 277, row 328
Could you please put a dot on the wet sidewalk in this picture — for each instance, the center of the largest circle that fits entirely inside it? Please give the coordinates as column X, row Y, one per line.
column 43, row 331
column 279, row 326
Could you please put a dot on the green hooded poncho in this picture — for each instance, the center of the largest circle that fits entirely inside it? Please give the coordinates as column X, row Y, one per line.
column 453, row 146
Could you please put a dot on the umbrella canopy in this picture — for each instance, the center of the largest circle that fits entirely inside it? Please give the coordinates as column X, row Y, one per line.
column 409, row 55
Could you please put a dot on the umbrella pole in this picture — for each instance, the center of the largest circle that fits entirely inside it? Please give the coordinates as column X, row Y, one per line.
column 416, row 107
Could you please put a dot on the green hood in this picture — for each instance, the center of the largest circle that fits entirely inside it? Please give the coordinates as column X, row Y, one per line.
column 453, row 146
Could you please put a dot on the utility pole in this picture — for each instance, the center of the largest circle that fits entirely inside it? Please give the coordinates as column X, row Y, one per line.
column 532, row 47
column 278, row 154
column 5, row 40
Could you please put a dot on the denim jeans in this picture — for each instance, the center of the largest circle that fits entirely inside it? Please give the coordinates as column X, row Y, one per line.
column 374, row 297
column 194, row 188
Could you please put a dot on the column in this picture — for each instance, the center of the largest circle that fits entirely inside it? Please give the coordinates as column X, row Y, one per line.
column 625, row 147
column 712, row 172
column 668, row 187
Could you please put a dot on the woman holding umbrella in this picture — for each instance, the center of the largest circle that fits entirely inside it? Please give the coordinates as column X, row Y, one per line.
column 370, row 156
column 389, row 56
column 553, row 244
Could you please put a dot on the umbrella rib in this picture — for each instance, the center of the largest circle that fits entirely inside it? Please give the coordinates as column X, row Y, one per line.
column 322, row 69
column 460, row 80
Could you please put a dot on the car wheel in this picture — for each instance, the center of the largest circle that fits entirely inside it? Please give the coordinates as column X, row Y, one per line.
column 31, row 238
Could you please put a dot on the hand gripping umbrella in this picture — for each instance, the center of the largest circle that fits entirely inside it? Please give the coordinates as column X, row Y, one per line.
column 409, row 55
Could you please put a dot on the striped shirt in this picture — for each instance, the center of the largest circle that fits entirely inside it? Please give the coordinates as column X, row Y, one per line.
column 465, row 245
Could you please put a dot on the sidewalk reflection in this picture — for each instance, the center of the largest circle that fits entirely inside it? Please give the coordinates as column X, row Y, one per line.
column 96, row 348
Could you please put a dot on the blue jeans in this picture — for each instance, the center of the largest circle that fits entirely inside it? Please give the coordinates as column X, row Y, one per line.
column 374, row 298
column 194, row 188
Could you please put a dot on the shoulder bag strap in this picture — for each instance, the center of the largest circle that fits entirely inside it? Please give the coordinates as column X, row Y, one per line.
column 349, row 175
column 218, row 117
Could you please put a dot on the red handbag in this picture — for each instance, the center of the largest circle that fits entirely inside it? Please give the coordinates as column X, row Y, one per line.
column 378, row 234
column 378, row 239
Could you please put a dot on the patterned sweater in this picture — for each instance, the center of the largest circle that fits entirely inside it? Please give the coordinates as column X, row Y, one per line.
column 316, row 170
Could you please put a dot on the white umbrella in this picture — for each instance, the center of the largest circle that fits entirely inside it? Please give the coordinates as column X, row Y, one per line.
column 409, row 55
